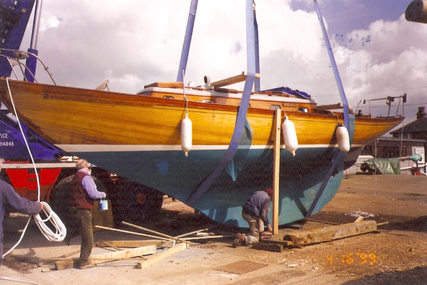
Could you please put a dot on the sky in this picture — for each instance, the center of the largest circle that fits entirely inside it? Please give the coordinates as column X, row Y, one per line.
column 136, row 42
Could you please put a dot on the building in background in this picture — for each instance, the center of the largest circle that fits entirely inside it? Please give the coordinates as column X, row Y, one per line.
column 406, row 141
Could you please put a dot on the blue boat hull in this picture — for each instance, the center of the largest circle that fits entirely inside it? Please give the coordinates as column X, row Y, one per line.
column 174, row 174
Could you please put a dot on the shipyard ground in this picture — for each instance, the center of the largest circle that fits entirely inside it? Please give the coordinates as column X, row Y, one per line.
column 395, row 254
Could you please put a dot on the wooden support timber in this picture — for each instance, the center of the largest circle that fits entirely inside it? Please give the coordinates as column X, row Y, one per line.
column 268, row 246
column 331, row 233
column 231, row 80
column 276, row 169
column 330, row 107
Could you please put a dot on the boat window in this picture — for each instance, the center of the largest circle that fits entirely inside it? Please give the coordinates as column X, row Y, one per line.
column 303, row 109
column 274, row 107
column 168, row 97
column 208, row 101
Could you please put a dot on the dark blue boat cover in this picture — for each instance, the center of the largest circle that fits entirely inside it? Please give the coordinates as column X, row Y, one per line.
column 297, row 93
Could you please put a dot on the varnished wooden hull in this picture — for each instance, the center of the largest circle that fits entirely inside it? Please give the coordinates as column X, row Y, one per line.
column 138, row 137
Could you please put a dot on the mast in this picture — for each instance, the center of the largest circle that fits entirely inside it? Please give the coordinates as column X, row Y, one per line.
column 31, row 62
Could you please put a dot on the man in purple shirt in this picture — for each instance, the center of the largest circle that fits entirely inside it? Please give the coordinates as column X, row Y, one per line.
column 82, row 195
column 255, row 212
column 9, row 198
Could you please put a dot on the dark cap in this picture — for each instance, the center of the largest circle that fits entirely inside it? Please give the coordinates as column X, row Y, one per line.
column 269, row 191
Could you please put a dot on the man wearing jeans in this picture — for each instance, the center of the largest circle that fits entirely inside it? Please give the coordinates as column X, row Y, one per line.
column 255, row 212
column 82, row 196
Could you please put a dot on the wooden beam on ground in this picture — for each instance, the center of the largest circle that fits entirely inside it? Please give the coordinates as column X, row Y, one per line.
column 133, row 243
column 162, row 255
column 284, row 243
column 107, row 257
column 231, row 80
column 123, row 254
column 65, row 264
column 276, row 169
column 71, row 253
column 331, row 233
column 268, row 246
column 106, row 244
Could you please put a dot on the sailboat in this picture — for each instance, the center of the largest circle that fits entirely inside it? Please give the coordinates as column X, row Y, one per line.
column 210, row 146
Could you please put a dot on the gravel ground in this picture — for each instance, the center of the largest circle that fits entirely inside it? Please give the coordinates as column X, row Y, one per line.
column 395, row 254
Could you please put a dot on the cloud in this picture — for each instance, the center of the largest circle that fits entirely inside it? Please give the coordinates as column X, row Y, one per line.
column 391, row 63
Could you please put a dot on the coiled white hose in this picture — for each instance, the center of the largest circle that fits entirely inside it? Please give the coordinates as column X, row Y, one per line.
column 60, row 229
column 55, row 221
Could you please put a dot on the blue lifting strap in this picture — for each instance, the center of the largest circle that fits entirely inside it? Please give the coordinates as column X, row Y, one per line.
column 187, row 41
column 339, row 156
column 244, row 104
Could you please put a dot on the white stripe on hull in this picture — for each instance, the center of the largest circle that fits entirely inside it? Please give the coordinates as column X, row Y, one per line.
column 124, row 148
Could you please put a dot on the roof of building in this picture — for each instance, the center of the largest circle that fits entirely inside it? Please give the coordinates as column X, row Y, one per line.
column 417, row 126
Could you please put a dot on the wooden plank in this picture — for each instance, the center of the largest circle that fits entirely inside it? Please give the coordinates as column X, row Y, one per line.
column 130, row 232
column 207, row 237
column 231, row 80
column 268, row 246
column 284, row 243
column 107, row 257
column 71, row 253
column 148, row 230
column 190, row 233
column 107, row 244
column 331, row 233
column 134, row 243
column 162, row 255
column 165, row 85
column 330, row 106
column 276, row 169
column 65, row 264
column 124, row 254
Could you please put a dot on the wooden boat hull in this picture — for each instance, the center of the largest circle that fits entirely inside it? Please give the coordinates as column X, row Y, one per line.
column 138, row 137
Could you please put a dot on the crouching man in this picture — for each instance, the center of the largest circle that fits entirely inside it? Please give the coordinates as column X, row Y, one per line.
column 255, row 212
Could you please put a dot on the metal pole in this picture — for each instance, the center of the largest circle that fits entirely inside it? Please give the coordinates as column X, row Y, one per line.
column 36, row 24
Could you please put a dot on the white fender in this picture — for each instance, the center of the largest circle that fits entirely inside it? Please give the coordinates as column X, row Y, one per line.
column 186, row 135
column 343, row 138
column 290, row 135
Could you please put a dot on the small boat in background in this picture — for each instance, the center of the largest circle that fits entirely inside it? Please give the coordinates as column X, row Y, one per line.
column 202, row 162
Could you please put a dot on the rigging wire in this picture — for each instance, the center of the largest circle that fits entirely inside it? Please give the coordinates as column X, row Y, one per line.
column 55, row 221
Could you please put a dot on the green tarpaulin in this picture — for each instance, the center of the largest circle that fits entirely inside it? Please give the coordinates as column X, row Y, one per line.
column 381, row 166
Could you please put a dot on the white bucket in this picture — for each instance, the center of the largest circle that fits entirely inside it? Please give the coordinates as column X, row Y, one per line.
column 103, row 204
